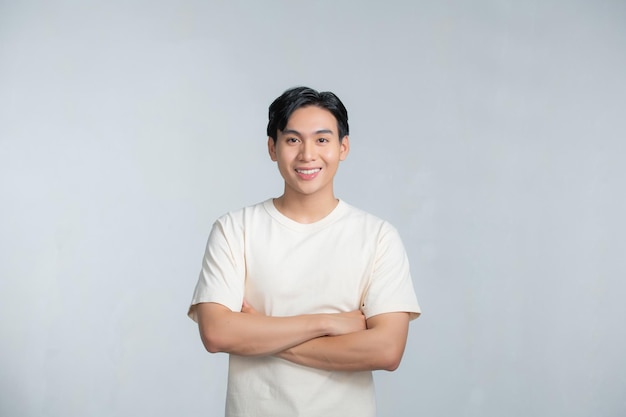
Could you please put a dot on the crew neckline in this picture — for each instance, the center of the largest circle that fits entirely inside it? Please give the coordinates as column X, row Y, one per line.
column 305, row 227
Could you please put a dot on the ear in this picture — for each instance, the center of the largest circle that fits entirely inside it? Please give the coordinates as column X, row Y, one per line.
column 271, row 148
column 344, row 148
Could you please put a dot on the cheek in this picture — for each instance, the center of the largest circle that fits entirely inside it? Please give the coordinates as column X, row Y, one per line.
column 284, row 157
column 332, row 156
column 283, row 161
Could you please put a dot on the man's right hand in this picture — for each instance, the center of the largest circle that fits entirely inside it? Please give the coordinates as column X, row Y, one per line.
column 343, row 323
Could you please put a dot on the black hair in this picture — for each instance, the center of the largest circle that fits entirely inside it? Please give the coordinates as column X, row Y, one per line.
column 294, row 98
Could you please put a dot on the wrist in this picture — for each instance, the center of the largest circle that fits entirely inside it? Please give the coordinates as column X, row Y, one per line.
column 321, row 325
column 285, row 354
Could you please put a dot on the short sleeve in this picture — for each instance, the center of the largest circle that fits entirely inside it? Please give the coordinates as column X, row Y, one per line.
column 390, row 287
column 222, row 278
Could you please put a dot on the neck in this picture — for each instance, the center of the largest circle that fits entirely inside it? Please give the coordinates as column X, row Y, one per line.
column 305, row 208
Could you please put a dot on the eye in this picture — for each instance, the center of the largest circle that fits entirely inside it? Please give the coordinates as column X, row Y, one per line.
column 323, row 140
column 292, row 140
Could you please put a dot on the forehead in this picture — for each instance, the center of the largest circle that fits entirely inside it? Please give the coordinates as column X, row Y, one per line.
column 311, row 119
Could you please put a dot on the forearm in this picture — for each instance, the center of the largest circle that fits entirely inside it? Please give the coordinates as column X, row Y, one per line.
column 352, row 352
column 249, row 333
column 238, row 333
column 378, row 347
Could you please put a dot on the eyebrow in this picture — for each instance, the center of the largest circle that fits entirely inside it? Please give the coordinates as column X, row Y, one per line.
column 317, row 132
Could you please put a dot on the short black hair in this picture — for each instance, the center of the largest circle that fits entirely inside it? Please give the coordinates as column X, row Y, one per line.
column 291, row 100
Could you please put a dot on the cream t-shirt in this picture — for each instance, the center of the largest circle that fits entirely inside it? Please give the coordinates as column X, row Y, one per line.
column 349, row 259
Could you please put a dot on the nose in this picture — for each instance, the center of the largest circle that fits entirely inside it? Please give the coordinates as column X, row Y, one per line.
column 307, row 151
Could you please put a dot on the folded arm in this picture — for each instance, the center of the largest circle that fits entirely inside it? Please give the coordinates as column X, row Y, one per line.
column 380, row 346
column 251, row 334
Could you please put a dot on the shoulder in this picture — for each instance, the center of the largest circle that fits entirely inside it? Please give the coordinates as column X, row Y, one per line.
column 238, row 218
column 365, row 225
column 366, row 219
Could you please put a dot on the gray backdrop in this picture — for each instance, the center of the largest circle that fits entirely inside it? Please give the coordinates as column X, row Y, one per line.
column 490, row 133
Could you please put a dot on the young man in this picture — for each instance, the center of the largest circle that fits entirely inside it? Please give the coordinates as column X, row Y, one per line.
column 306, row 293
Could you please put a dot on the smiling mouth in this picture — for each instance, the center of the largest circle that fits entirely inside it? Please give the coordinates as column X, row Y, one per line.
column 308, row 171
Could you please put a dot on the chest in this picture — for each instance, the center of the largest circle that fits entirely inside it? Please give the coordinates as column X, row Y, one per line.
column 289, row 272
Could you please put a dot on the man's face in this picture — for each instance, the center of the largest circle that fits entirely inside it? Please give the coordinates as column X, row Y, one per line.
column 308, row 152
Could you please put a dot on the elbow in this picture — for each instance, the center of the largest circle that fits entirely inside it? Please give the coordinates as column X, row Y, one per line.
column 392, row 365
column 212, row 342
column 212, row 348
column 391, row 358
column 213, row 324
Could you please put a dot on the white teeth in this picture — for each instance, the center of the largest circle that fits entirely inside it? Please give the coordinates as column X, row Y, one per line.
column 308, row 171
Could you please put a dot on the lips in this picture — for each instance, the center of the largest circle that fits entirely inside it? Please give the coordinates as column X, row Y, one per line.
column 308, row 171
column 308, row 174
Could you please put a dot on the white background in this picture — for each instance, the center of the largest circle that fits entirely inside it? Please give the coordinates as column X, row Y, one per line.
column 490, row 133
